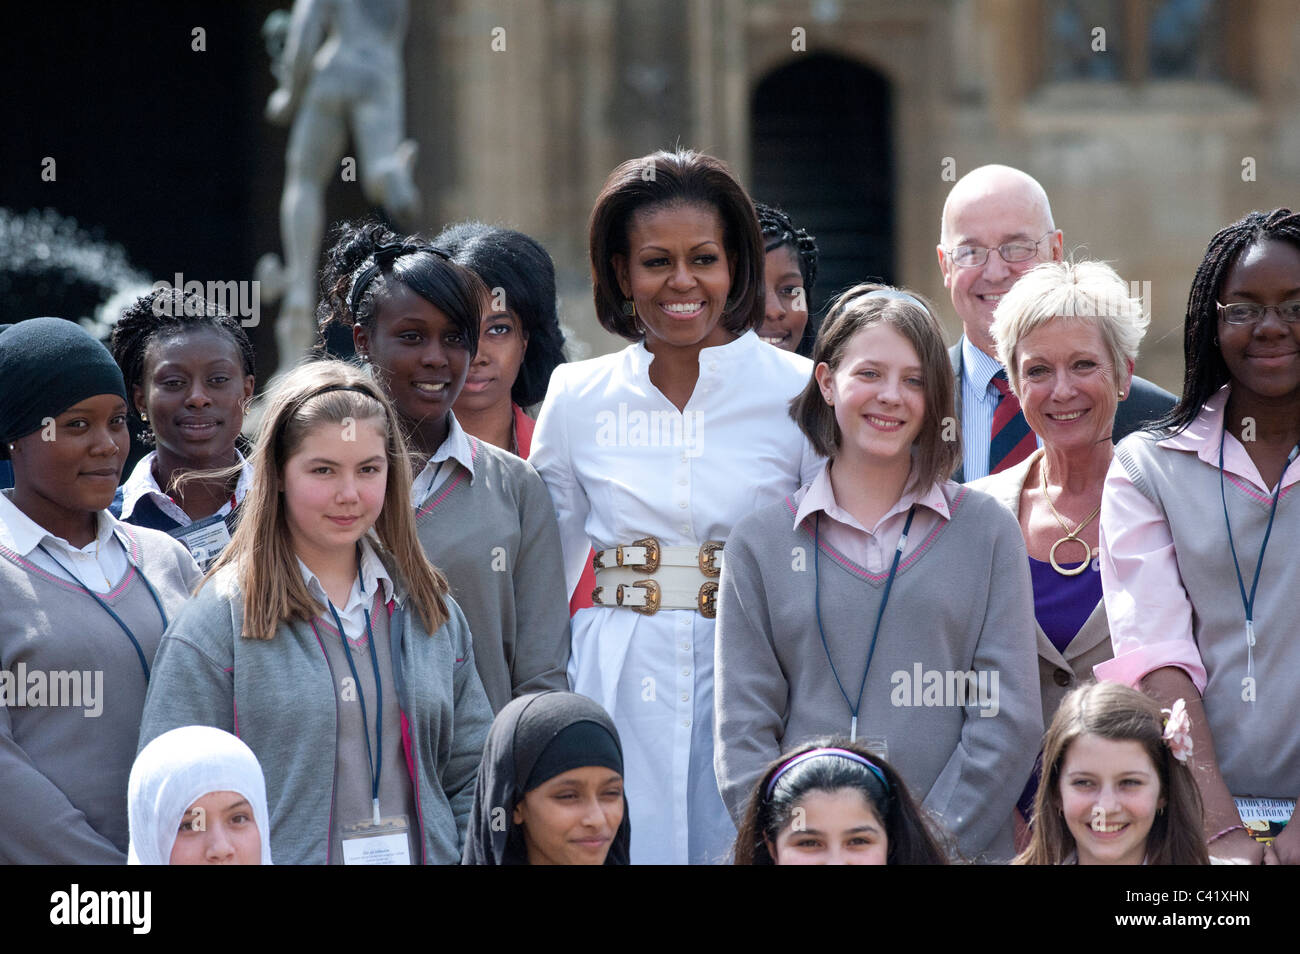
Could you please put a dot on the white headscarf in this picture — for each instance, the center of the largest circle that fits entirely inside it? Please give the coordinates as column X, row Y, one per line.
column 174, row 771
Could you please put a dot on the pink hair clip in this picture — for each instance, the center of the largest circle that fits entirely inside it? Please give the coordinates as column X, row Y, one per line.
column 1178, row 731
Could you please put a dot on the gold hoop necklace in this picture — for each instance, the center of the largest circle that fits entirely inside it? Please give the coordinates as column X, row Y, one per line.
column 1071, row 536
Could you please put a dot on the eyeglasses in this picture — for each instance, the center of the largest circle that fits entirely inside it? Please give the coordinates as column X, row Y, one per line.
column 1248, row 313
column 973, row 256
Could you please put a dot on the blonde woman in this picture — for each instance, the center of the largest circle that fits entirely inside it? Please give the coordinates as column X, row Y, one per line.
column 326, row 641
column 1068, row 335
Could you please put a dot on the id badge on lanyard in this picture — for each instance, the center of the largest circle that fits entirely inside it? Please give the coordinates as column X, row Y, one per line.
column 205, row 539
column 378, row 841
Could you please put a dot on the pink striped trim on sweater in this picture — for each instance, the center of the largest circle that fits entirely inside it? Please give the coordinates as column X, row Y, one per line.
column 911, row 558
column 453, row 483
column 1250, row 490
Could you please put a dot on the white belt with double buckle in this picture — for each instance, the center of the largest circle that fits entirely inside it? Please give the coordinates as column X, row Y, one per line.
column 646, row 577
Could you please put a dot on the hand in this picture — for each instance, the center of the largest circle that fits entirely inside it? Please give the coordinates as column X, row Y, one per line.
column 280, row 106
column 1238, row 847
column 1286, row 847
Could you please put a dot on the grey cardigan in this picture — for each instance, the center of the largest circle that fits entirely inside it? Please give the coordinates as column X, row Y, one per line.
column 279, row 696
column 1057, row 673
column 961, row 602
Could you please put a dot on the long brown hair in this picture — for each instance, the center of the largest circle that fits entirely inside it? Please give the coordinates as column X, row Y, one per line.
column 260, row 549
column 1114, row 711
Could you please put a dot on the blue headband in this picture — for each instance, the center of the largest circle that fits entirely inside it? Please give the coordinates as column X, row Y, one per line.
column 824, row 753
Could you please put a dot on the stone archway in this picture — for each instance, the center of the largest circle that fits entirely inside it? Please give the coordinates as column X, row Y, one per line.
column 821, row 147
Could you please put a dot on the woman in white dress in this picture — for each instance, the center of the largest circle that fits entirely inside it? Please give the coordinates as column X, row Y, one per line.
column 652, row 454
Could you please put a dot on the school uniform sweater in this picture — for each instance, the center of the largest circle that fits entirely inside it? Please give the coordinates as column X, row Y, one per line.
column 493, row 533
column 64, row 769
column 1257, row 743
column 280, row 697
column 961, row 602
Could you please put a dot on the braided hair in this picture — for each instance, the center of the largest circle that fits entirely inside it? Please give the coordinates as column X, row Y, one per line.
column 451, row 288
column 1206, row 371
column 167, row 311
column 779, row 232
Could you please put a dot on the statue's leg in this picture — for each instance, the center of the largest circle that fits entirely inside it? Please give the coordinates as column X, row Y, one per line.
column 387, row 161
column 316, row 142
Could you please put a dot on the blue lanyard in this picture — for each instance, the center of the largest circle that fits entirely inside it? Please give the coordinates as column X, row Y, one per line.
column 144, row 663
column 880, row 614
column 1248, row 603
column 376, row 767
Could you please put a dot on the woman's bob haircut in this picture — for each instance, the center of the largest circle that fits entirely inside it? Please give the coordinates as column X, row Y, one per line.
column 662, row 180
column 938, row 443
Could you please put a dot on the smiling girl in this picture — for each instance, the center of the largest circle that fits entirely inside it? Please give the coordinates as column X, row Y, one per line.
column 483, row 515
column 789, row 270
column 189, row 370
column 651, row 455
column 834, row 802
column 326, row 641
column 84, row 600
column 1116, row 788
column 1199, row 564
column 843, row 606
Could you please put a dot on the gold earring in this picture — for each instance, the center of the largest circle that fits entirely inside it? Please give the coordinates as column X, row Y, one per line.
column 629, row 308
column 1121, row 395
column 144, row 418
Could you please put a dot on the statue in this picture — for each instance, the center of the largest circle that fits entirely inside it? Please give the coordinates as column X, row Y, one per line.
column 351, row 80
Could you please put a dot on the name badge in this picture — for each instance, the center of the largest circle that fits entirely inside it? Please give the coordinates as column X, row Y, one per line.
column 205, row 539
column 382, row 842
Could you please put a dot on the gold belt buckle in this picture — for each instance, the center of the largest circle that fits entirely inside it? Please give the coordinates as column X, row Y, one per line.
column 707, row 600
column 651, row 563
column 652, row 596
column 708, row 557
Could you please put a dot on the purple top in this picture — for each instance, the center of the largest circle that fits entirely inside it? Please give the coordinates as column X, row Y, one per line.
column 1062, row 604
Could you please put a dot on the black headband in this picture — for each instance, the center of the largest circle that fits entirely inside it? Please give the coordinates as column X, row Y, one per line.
column 384, row 257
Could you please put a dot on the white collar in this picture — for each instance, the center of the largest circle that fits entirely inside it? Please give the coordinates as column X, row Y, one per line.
column 373, row 575
column 22, row 534
column 731, row 351
column 455, row 447
column 977, row 367
column 142, row 483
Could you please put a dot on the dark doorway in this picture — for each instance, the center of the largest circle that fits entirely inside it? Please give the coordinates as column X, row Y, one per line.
column 822, row 150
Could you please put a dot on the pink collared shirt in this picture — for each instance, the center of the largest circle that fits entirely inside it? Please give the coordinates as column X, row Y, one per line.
column 872, row 549
column 1149, row 612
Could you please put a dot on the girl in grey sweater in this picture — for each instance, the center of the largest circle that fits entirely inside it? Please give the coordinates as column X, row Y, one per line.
column 882, row 600
column 324, row 639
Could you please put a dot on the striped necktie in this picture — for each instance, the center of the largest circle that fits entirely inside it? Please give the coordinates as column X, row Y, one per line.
column 1012, row 440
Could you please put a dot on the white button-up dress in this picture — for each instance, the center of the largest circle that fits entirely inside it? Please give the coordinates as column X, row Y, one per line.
column 622, row 463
